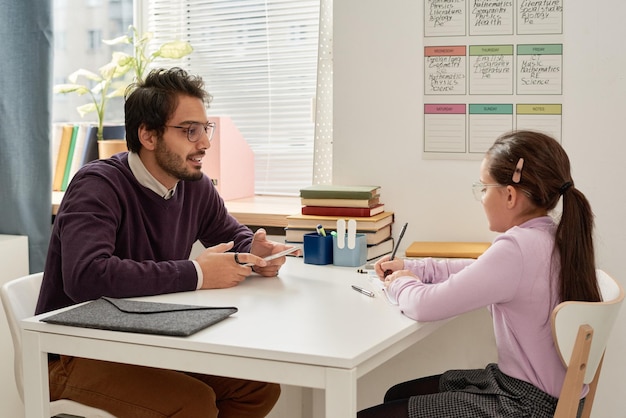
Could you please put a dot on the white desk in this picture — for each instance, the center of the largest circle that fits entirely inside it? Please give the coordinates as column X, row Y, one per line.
column 305, row 328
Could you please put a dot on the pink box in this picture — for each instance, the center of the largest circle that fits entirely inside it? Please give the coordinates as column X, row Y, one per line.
column 230, row 161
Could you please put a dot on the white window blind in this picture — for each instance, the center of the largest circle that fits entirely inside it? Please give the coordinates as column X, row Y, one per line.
column 259, row 62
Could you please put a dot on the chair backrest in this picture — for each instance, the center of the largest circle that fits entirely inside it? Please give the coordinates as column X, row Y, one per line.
column 19, row 299
column 583, row 353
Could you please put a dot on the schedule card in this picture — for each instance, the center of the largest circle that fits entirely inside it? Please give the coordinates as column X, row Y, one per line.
column 444, row 17
column 445, row 70
column 537, row 17
column 444, row 128
column 545, row 118
column 540, row 69
column 487, row 122
column 491, row 69
column 491, row 17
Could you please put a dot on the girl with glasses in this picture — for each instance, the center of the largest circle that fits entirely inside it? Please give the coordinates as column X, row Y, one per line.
column 535, row 263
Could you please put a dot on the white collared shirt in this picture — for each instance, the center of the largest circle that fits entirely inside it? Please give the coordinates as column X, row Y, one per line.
column 146, row 179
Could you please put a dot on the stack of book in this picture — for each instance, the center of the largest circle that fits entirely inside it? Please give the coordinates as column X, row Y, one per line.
column 325, row 204
column 74, row 145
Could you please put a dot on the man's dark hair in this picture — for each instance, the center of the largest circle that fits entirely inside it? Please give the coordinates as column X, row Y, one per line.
column 153, row 101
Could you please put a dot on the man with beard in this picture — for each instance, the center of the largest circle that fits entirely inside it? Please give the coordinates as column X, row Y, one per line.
column 125, row 228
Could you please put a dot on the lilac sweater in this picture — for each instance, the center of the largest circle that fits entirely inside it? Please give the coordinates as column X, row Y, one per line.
column 114, row 237
column 515, row 278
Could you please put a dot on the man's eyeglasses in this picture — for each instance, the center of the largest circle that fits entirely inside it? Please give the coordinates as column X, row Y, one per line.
column 480, row 189
column 194, row 130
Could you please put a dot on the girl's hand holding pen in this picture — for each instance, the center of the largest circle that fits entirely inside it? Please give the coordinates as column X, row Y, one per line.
column 396, row 274
column 385, row 264
column 392, row 257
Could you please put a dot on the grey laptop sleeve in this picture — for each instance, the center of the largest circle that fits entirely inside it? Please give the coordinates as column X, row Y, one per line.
column 141, row 317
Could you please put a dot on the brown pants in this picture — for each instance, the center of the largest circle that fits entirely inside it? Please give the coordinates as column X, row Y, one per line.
column 143, row 392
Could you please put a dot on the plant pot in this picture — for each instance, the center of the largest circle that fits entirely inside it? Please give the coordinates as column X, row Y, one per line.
column 109, row 147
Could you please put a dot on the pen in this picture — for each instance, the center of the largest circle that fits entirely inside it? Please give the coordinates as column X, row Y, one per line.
column 320, row 230
column 393, row 253
column 364, row 291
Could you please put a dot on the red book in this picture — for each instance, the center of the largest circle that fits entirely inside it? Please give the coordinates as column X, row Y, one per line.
column 342, row 211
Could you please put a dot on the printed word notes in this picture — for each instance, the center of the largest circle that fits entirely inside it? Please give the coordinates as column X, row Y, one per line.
column 540, row 117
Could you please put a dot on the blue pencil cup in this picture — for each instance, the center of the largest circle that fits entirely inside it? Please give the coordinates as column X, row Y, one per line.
column 350, row 257
column 318, row 249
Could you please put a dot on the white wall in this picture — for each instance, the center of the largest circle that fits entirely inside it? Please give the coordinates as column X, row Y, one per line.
column 378, row 129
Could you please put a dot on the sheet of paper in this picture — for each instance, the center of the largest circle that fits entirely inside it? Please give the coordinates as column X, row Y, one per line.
column 279, row 254
column 379, row 287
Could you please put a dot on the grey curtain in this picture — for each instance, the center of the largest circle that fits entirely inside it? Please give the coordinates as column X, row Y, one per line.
column 25, row 118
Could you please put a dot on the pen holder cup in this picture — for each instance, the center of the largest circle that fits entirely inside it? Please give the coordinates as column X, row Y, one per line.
column 318, row 249
column 350, row 257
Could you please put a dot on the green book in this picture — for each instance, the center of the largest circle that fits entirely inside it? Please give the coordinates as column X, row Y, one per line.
column 333, row 191
column 70, row 156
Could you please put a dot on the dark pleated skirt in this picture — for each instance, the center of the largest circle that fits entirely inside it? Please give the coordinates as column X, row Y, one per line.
column 483, row 393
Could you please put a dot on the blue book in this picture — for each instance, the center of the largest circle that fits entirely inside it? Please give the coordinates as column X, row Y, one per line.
column 91, row 145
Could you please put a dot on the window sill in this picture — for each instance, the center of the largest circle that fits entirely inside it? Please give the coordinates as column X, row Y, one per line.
column 263, row 211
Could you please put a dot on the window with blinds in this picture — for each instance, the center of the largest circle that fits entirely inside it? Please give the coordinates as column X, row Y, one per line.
column 259, row 62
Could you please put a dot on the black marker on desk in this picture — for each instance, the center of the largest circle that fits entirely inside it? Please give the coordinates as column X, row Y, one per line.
column 364, row 291
column 393, row 254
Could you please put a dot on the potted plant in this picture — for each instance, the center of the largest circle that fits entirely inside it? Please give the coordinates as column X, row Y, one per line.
column 112, row 79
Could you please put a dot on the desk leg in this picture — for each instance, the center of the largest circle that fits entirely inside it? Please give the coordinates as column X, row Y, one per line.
column 35, row 369
column 340, row 393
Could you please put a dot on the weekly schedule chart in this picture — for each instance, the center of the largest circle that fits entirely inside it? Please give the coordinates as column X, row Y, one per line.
column 489, row 67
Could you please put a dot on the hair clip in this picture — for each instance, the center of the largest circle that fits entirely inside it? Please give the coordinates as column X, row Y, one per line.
column 517, row 174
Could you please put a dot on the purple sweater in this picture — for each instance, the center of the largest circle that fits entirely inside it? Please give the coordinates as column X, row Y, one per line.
column 516, row 279
column 113, row 237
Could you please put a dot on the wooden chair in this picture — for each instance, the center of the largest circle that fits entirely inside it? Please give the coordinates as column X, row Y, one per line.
column 19, row 298
column 581, row 331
